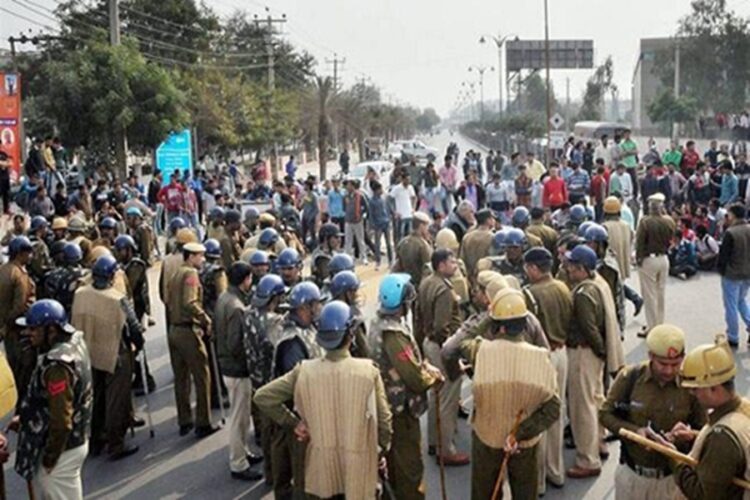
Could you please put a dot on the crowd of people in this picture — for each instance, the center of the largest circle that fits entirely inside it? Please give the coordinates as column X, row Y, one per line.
column 509, row 273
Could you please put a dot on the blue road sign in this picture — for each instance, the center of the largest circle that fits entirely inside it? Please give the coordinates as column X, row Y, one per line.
column 176, row 153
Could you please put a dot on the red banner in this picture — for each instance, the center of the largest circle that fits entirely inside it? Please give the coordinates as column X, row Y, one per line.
column 10, row 121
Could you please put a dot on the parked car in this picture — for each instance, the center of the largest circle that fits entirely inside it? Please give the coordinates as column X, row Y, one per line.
column 417, row 149
column 381, row 168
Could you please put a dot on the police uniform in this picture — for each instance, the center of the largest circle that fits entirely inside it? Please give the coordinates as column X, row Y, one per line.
column 40, row 260
column 188, row 323
column 544, row 233
column 17, row 292
column 515, row 269
column 55, row 420
column 231, row 249
column 319, row 265
column 111, row 330
column 620, row 241
column 61, row 284
column 475, row 245
column 214, row 281
column 135, row 271
column 412, row 253
column 84, row 243
column 144, row 241
column 406, row 382
column 342, row 401
column 608, row 269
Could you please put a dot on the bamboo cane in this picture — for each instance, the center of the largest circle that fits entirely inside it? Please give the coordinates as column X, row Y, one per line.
column 673, row 454
column 504, row 465
column 440, row 450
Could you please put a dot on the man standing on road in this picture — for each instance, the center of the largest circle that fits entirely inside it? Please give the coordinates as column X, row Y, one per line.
column 549, row 299
column 439, row 314
column 646, row 398
column 355, row 208
column 404, row 200
column 414, row 251
column 230, row 352
column 628, row 156
column 407, row 379
column 188, row 324
column 734, row 267
column 476, row 244
column 54, row 418
column 653, row 238
column 722, row 447
column 341, row 412
column 231, row 246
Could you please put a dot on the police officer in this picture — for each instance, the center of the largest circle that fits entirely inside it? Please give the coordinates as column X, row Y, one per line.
column 260, row 263
column 289, row 266
column 345, row 287
column 646, row 398
column 722, row 448
column 577, row 215
column 135, row 269
column 173, row 261
column 514, row 384
column 55, row 416
column 215, row 223
column 413, row 252
column 56, row 255
column 40, row 260
column 251, row 220
column 621, row 243
column 343, row 438
column 107, row 233
column 214, row 281
column 538, row 228
column 268, row 239
column 141, row 233
column 440, row 317
column 516, row 244
column 175, row 225
column 77, row 234
column 597, row 239
column 262, row 328
column 59, row 228
column 329, row 238
column 296, row 344
column 477, row 242
column 105, row 316
column 407, row 379
column 231, row 241
column 230, row 352
column 62, row 282
column 652, row 241
column 549, row 299
column 521, row 218
column 17, row 292
column 446, row 239
column 188, row 325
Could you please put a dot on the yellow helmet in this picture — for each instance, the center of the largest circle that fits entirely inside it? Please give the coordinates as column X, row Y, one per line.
column 99, row 251
column 185, row 236
column 508, row 304
column 485, row 277
column 666, row 341
column 446, row 238
column 708, row 365
column 59, row 223
column 497, row 283
column 612, row 205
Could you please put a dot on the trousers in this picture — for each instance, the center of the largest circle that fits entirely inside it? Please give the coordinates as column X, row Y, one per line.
column 113, row 403
column 355, row 231
column 585, row 396
column 63, row 482
column 450, row 394
column 734, row 295
column 653, row 273
column 550, row 456
column 405, row 467
column 287, row 464
column 240, row 394
column 189, row 359
column 631, row 486
column 486, row 463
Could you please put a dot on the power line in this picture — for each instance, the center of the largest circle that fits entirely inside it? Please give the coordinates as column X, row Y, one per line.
column 21, row 16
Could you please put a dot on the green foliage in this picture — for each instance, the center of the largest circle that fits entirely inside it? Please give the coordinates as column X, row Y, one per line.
column 596, row 88
column 427, row 120
column 666, row 109
column 529, row 125
column 535, row 95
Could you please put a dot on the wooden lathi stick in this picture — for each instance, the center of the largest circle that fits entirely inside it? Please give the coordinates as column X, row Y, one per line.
column 673, row 454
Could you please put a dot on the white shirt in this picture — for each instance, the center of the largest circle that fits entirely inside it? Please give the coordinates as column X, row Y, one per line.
column 402, row 198
column 602, row 152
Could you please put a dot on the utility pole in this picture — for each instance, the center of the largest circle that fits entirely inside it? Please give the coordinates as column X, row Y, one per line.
column 336, row 61
column 120, row 136
column 546, row 64
column 271, row 22
column 481, row 70
column 567, row 104
column 499, row 42
column 675, row 125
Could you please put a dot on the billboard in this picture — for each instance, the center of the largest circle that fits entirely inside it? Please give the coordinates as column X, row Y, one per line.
column 175, row 153
column 563, row 54
column 10, row 121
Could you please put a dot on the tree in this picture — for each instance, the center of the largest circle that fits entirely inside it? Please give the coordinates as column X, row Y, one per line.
column 535, row 95
column 323, row 93
column 596, row 88
column 667, row 109
column 427, row 120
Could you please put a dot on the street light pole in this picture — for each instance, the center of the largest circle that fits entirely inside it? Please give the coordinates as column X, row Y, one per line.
column 499, row 42
column 546, row 64
column 481, row 70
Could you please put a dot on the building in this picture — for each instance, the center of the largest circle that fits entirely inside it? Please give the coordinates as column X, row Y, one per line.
column 646, row 84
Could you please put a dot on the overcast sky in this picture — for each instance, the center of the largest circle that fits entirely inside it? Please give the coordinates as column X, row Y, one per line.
column 418, row 51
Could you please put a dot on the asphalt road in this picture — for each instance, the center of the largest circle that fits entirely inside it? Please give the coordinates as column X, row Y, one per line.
column 169, row 466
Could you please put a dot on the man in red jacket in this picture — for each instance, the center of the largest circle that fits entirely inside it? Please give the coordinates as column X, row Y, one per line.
column 555, row 192
column 172, row 196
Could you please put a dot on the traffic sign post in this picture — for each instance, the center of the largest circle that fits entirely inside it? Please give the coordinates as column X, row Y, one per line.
column 175, row 154
column 557, row 121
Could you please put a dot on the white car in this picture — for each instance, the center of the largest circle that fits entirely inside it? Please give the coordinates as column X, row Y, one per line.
column 383, row 170
column 394, row 151
column 418, row 149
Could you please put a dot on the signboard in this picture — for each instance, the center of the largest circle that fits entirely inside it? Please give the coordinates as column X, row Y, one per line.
column 10, row 121
column 563, row 54
column 175, row 154
column 556, row 140
column 557, row 121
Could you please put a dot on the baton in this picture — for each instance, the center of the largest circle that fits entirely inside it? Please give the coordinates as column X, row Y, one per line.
column 145, row 392
column 506, row 458
column 215, row 364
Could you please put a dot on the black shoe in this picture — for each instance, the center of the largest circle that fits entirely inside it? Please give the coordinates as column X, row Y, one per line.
column 462, row 413
column 96, row 448
column 205, row 431
column 733, row 344
column 151, row 384
column 643, row 332
column 253, row 459
column 638, row 306
column 185, row 429
column 137, row 422
column 431, row 451
column 125, row 451
column 248, row 475
column 138, row 390
column 215, row 404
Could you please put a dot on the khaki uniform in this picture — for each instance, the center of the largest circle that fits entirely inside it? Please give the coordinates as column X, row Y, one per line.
column 723, row 451
column 544, row 232
column 188, row 323
column 551, row 302
column 406, row 383
column 230, row 249
column 620, row 241
column 637, row 399
column 144, row 240
column 40, row 261
column 515, row 269
column 253, row 243
column 169, row 267
column 319, row 265
column 511, row 378
column 440, row 317
column 342, row 400
column 214, row 231
column 475, row 245
column 85, row 245
column 608, row 269
column 17, row 292
column 412, row 253
column 653, row 236
column 534, row 240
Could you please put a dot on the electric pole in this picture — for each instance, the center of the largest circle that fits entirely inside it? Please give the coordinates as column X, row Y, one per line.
column 120, row 136
column 546, row 64
column 336, row 62
column 481, row 70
